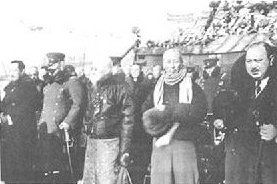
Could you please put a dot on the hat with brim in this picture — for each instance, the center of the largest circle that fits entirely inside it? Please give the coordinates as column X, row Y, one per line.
column 116, row 60
column 55, row 57
column 210, row 62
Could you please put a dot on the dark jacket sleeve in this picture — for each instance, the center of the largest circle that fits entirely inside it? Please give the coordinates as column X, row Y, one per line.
column 149, row 102
column 127, row 121
column 76, row 94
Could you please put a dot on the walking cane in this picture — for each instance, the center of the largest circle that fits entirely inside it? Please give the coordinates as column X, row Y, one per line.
column 260, row 149
column 67, row 140
column 258, row 162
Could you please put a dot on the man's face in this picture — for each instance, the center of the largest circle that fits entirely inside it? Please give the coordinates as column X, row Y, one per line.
column 55, row 67
column 257, row 62
column 42, row 72
column 135, row 71
column 34, row 72
column 15, row 73
column 156, row 71
column 171, row 61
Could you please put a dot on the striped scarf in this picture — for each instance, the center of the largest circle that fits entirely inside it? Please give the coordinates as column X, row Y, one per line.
column 185, row 87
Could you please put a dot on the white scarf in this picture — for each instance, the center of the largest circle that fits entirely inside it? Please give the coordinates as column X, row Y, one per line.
column 185, row 87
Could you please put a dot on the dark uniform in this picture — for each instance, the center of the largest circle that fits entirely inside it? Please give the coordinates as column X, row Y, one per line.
column 62, row 102
column 55, row 109
column 211, row 82
column 18, row 140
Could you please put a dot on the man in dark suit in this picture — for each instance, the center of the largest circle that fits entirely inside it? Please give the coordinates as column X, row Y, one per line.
column 250, row 146
column 18, row 131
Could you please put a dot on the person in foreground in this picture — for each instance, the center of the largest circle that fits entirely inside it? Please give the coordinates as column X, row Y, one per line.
column 179, row 108
column 109, row 128
column 251, row 140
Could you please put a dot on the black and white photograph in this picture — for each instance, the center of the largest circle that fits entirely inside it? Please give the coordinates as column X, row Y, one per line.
column 138, row 92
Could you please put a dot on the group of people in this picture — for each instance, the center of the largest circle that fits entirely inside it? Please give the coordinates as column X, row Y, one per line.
column 145, row 124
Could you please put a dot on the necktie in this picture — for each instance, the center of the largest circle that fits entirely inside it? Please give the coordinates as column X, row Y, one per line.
column 257, row 87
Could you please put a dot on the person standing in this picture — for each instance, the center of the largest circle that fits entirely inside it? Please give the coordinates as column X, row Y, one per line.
column 211, row 80
column 111, row 121
column 18, row 126
column 62, row 105
column 251, row 144
column 77, row 94
column 139, row 87
column 182, row 104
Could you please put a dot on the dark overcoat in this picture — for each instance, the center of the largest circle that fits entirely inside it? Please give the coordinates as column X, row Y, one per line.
column 243, row 160
column 18, row 141
column 63, row 102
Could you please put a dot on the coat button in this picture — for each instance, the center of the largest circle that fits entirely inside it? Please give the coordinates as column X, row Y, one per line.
column 56, row 103
column 13, row 104
column 233, row 151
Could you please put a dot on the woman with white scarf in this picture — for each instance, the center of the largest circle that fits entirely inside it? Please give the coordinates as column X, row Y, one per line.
column 174, row 154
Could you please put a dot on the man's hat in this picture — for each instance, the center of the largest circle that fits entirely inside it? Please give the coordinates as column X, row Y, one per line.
column 210, row 62
column 55, row 57
column 116, row 60
column 69, row 70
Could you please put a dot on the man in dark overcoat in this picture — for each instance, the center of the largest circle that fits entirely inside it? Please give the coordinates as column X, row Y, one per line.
column 62, row 104
column 19, row 129
column 251, row 144
column 141, row 145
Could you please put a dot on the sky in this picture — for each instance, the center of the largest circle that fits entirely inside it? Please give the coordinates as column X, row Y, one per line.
column 87, row 29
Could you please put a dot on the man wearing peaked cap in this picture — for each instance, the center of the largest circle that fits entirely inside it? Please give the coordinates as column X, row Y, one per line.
column 208, row 63
column 116, row 60
column 116, row 64
column 61, row 107
column 211, row 80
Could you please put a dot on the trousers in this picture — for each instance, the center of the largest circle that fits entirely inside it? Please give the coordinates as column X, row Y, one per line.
column 175, row 163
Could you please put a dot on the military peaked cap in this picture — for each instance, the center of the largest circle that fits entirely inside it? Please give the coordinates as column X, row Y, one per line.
column 210, row 62
column 116, row 60
column 55, row 57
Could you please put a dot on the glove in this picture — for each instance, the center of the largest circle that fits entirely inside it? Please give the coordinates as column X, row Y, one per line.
column 125, row 160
